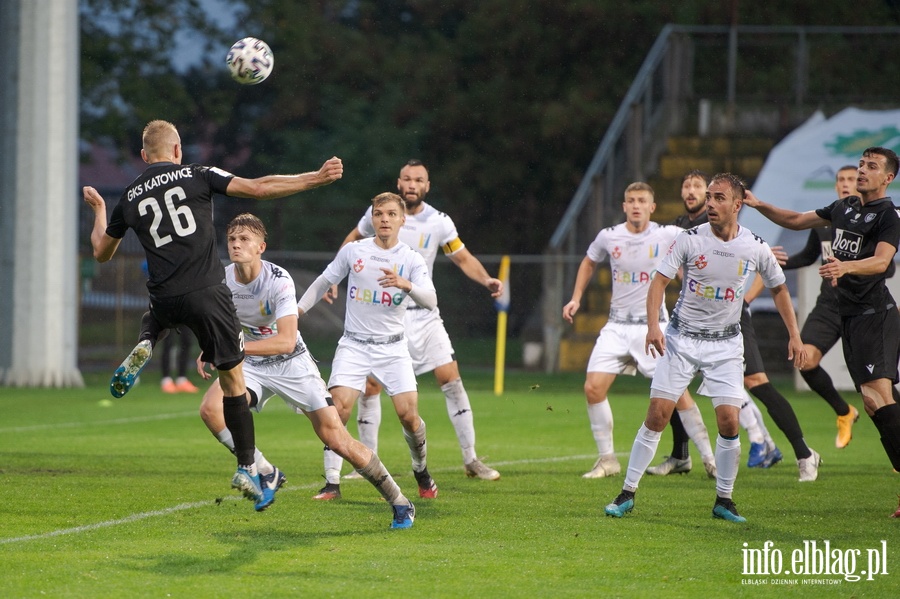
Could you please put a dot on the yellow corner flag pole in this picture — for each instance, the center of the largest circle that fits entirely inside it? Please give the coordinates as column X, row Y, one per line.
column 502, row 304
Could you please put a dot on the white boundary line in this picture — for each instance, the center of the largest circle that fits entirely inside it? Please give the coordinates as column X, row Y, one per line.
column 198, row 504
column 51, row 426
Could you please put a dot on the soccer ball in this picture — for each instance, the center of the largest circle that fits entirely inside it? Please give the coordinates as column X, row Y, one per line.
column 250, row 61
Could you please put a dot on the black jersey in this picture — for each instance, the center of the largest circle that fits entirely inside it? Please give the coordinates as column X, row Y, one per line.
column 856, row 230
column 684, row 221
column 818, row 246
column 169, row 206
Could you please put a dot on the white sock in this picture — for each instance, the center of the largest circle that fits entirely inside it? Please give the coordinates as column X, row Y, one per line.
column 749, row 422
column 696, row 430
column 767, row 438
column 418, row 449
column 377, row 474
column 601, row 418
column 728, row 456
column 333, row 463
column 460, row 411
column 262, row 464
column 368, row 420
column 642, row 452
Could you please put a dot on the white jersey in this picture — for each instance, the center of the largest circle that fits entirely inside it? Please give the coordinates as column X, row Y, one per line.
column 372, row 310
column 633, row 260
column 715, row 275
column 260, row 303
column 424, row 232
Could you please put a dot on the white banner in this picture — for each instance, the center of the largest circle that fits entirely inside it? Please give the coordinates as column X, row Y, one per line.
column 799, row 172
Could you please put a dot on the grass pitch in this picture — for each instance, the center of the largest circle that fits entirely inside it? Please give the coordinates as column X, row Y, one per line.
column 131, row 498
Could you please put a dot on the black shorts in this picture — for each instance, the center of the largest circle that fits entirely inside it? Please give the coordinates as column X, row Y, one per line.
column 210, row 314
column 822, row 328
column 872, row 346
column 753, row 362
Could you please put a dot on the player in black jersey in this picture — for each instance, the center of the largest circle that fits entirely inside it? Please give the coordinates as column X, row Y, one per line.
column 822, row 327
column 169, row 207
column 865, row 235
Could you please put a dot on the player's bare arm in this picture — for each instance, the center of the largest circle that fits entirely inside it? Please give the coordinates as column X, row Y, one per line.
column 278, row 186
column 789, row 219
column 655, row 345
column 873, row 265
column 283, row 342
column 796, row 351
column 104, row 246
column 586, row 271
column 474, row 269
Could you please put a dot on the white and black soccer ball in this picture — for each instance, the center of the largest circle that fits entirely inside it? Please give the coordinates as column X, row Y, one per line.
column 250, row 61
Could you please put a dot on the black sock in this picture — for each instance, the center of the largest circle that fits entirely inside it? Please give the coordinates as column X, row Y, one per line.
column 887, row 421
column 680, row 438
column 783, row 416
column 152, row 330
column 239, row 421
column 820, row 382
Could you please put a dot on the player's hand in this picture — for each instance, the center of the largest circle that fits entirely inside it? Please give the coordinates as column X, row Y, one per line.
column 392, row 279
column 93, row 198
column 569, row 311
column 780, row 255
column 655, row 345
column 495, row 286
column 833, row 270
column 331, row 171
column 797, row 352
column 330, row 295
column 750, row 199
column 201, row 368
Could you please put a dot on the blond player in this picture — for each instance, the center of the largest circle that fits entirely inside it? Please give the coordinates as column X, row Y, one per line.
column 382, row 272
column 427, row 231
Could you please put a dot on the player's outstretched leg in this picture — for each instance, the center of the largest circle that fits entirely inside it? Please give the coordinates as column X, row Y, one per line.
column 124, row 377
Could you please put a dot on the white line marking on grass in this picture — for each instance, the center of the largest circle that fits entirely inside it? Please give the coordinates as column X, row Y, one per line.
column 39, row 427
column 198, row 504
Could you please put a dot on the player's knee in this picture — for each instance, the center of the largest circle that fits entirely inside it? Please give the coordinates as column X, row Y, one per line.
column 372, row 387
column 755, row 380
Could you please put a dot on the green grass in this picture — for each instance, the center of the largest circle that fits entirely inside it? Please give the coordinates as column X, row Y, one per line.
column 132, row 499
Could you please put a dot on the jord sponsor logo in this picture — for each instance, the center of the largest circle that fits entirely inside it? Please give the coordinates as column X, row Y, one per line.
column 846, row 242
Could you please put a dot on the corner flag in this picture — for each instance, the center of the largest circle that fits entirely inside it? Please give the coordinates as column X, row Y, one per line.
column 502, row 304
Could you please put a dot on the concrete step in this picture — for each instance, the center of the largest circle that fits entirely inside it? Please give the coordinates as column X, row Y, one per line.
column 705, row 146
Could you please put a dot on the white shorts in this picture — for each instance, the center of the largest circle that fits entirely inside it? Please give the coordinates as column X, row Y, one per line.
column 620, row 350
column 388, row 363
column 296, row 380
column 721, row 361
column 428, row 341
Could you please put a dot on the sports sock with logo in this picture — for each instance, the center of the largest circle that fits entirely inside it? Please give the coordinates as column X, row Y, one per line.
column 460, row 411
